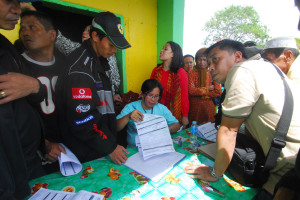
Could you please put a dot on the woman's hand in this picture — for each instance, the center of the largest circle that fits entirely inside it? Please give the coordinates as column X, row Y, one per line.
column 136, row 116
column 185, row 121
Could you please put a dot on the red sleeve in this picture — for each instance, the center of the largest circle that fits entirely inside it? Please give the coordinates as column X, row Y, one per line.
column 217, row 90
column 152, row 74
column 184, row 85
column 193, row 89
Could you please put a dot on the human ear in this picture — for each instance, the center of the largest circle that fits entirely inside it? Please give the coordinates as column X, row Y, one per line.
column 95, row 36
column 288, row 55
column 52, row 34
column 238, row 57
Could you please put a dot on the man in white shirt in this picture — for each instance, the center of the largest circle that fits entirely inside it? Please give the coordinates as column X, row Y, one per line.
column 255, row 96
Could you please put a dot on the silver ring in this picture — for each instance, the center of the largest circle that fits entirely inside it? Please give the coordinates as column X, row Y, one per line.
column 3, row 94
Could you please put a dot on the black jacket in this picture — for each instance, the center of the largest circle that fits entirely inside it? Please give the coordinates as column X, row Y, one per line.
column 86, row 110
column 20, row 134
column 46, row 107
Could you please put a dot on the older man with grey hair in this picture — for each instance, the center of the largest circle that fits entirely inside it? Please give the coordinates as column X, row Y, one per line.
column 283, row 52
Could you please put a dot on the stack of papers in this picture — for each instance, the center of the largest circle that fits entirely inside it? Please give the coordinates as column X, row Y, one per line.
column 208, row 132
column 153, row 137
column 154, row 168
column 47, row 194
column 68, row 163
column 156, row 156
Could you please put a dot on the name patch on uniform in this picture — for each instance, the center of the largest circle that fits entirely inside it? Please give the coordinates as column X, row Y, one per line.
column 81, row 93
column 85, row 120
column 83, row 108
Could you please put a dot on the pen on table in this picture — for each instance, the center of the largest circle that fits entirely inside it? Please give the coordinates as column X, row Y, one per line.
column 208, row 188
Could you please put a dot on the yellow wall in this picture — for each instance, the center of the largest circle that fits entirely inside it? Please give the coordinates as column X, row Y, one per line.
column 140, row 17
column 11, row 35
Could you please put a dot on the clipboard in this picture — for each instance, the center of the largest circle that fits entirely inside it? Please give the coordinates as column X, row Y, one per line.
column 210, row 150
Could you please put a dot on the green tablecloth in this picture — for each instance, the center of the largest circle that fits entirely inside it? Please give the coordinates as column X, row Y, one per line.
column 95, row 177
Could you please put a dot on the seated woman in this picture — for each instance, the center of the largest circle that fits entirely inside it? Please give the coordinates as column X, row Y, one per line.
column 134, row 112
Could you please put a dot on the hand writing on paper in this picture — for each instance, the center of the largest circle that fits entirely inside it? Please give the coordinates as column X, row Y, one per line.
column 54, row 150
column 118, row 156
column 200, row 171
column 16, row 85
column 136, row 116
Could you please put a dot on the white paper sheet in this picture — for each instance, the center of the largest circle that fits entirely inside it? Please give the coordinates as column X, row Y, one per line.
column 46, row 194
column 208, row 132
column 69, row 163
column 154, row 136
column 156, row 167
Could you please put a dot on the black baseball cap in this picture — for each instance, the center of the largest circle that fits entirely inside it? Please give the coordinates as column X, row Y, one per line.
column 111, row 26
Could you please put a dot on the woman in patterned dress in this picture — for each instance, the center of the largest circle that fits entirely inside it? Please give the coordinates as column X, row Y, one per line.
column 174, row 81
column 201, row 91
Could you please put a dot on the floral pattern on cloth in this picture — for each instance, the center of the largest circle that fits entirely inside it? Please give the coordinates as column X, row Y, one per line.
column 170, row 178
column 114, row 174
column 106, row 192
column 69, row 189
column 168, row 198
column 86, row 172
column 142, row 180
column 238, row 187
column 38, row 186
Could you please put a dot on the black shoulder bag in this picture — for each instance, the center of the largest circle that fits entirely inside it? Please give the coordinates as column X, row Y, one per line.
column 249, row 166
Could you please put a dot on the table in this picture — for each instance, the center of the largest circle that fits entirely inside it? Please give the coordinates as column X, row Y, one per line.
column 120, row 182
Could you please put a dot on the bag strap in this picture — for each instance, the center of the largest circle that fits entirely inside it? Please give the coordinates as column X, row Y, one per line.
column 282, row 127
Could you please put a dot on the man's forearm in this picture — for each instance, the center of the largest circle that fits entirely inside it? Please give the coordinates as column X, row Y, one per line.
column 226, row 140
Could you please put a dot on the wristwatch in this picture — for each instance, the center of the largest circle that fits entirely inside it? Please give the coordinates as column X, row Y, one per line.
column 213, row 173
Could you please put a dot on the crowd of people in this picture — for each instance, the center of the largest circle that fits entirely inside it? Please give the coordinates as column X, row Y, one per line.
column 53, row 91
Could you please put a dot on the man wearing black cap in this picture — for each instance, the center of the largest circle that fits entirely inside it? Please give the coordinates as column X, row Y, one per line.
column 84, row 92
column 20, row 128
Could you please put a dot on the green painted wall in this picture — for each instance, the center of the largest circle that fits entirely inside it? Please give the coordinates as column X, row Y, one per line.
column 170, row 19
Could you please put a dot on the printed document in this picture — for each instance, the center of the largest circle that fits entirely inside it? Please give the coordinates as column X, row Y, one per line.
column 154, row 137
column 208, row 132
column 47, row 194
